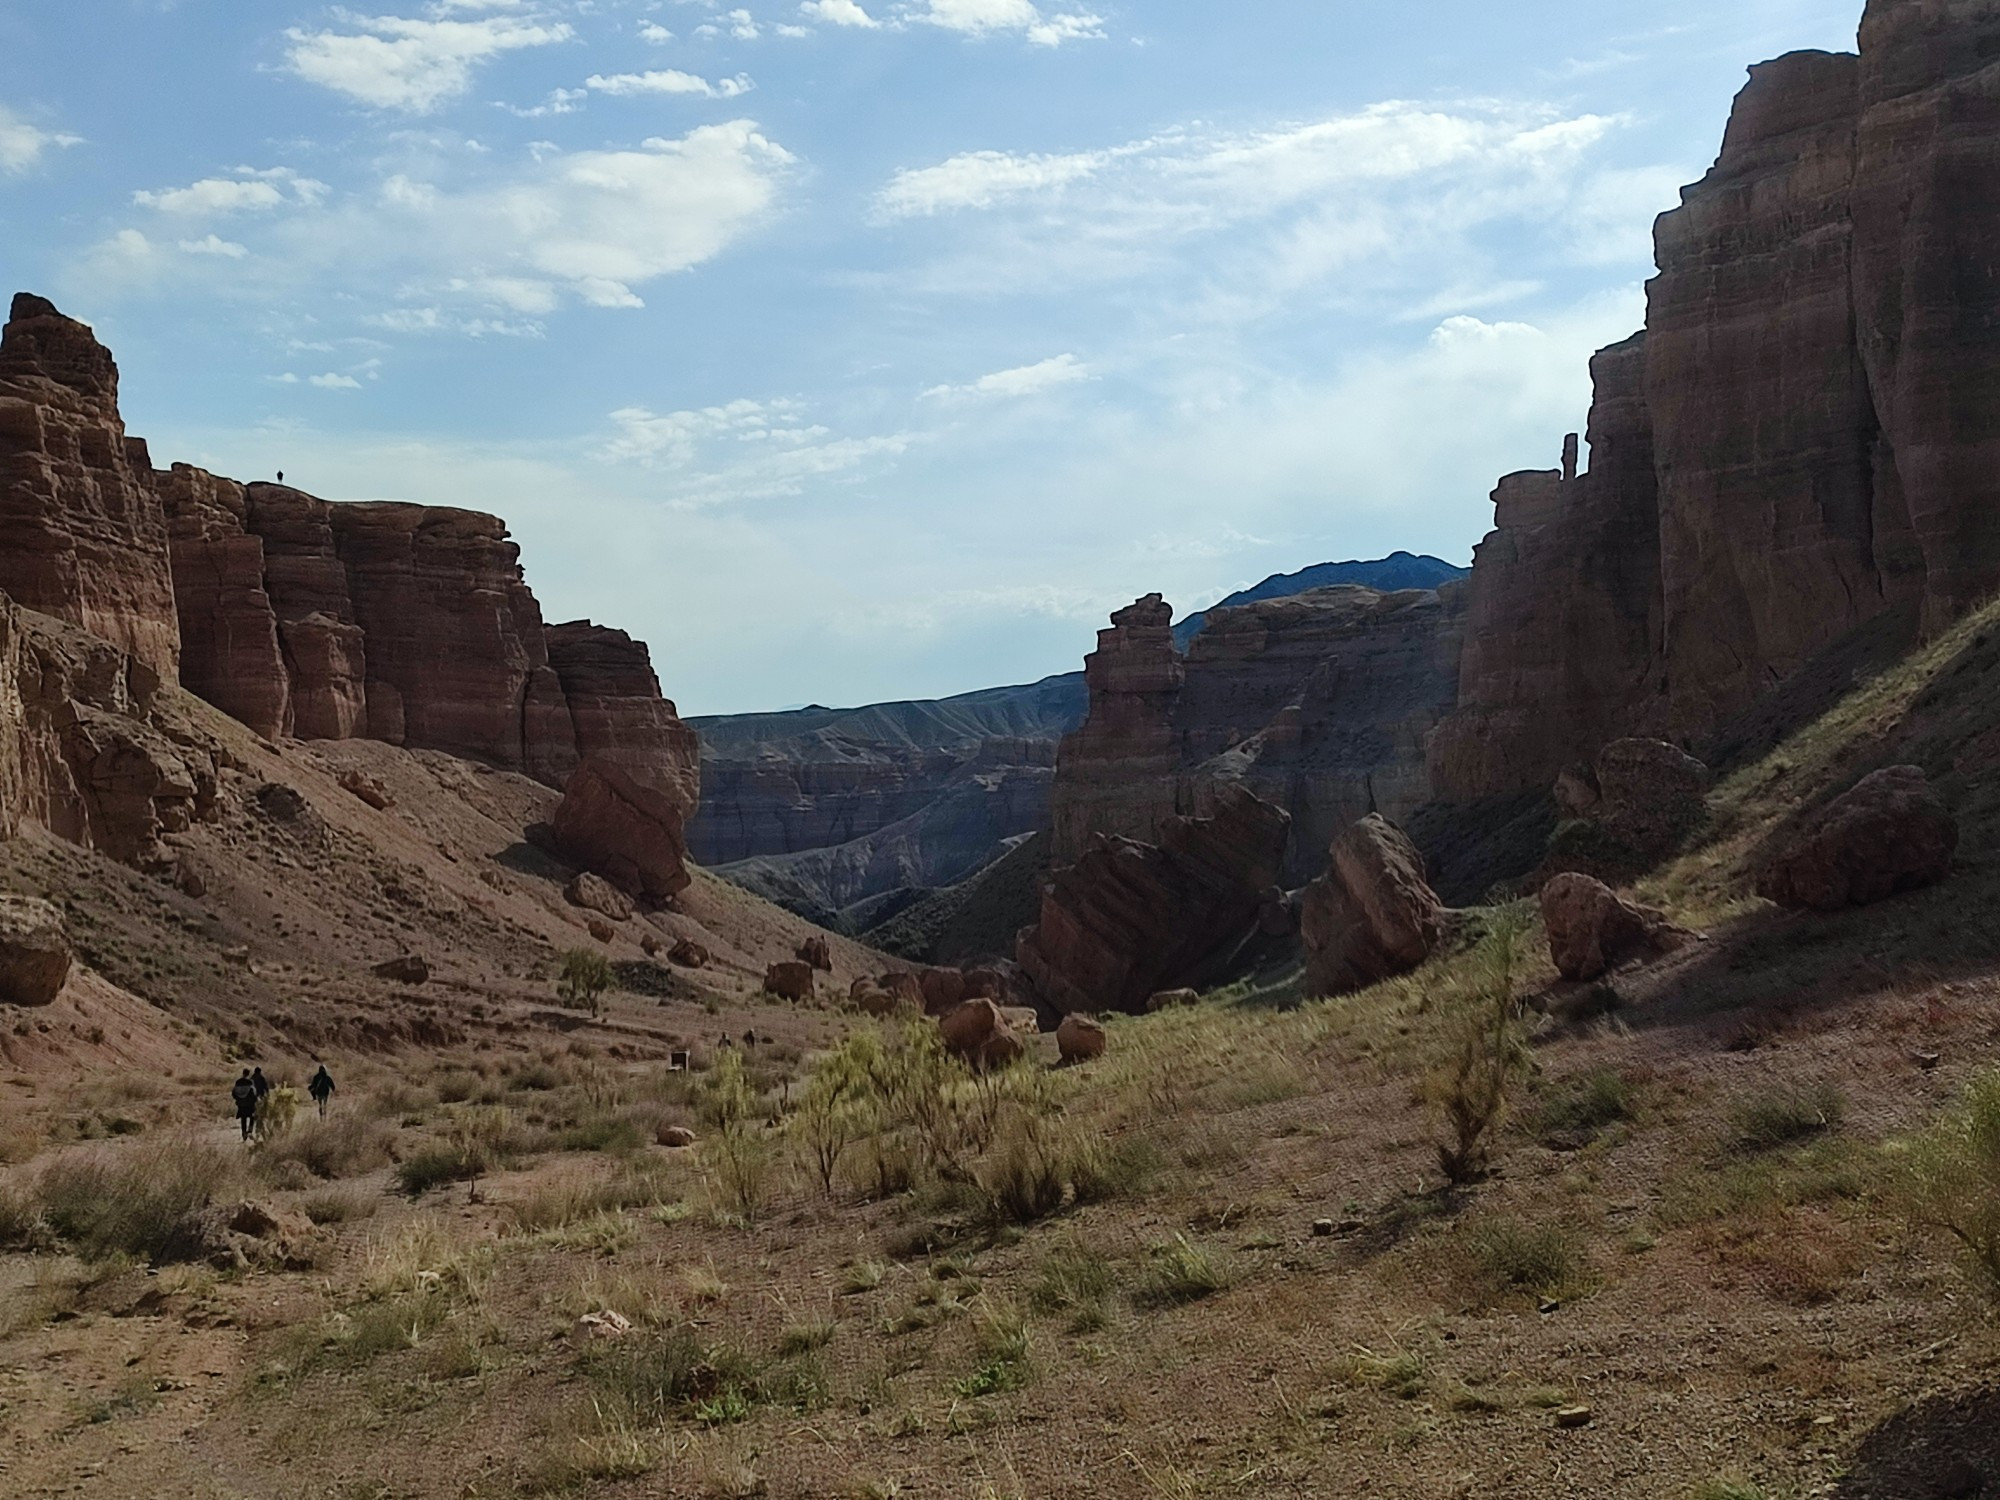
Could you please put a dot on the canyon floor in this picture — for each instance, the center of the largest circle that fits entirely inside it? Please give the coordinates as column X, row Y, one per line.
column 1220, row 1260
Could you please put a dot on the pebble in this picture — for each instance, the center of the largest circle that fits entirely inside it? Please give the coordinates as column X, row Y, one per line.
column 1574, row 1416
column 1322, row 1228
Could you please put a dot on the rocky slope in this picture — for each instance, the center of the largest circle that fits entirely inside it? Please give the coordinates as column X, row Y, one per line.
column 1319, row 703
column 1800, row 447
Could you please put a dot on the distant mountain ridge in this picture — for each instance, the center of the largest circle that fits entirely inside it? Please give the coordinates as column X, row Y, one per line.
column 1047, row 709
column 1391, row 574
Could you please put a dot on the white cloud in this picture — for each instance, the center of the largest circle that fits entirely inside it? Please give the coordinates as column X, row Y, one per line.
column 984, row 17
column 744, row 450
column 212, row 244
column 22, row 144
column 838, row 13
column 332, row 382
column 652, row 31
column 559, row 102
column 981, row 179
column 667, row 81
column 1028, row 380
column 247, row 190
column 391, row 62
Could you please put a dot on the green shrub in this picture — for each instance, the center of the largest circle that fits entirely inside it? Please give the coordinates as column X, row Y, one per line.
column 671, row 1373
column 1949, row 1181
column 1472, row 1090
column 1576, row 1112
column 1540, row 1258
column 583, row 978
column 1076, row 1281
column 1000, row 1345
column 1785, row 1113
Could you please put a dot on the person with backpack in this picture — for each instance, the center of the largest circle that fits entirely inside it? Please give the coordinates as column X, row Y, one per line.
column 320, row 1087
column 244, row 1093
column 260, row 1083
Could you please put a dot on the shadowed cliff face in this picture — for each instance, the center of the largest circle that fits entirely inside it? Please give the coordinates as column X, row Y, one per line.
column 1320, row 704
column 1805, row 440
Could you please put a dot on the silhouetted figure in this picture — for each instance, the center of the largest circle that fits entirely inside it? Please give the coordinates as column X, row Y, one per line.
column 244, row 1093
column 750, row 1038
column 281, row 476
column 260, row 1083
column 320, row 1087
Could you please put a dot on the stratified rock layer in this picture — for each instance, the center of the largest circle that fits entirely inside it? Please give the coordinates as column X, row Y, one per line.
column 1805, row 440
column 1117, row 775
column 85, row 539
column 1130, row 919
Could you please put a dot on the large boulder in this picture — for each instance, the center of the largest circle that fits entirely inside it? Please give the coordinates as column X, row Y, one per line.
column 1079, row 1039
column 405, row 968
column 1128, row 919
column 1890, row 833
column 907, row 988
column 979, row 1035
column 1372, row 915
column 790, row 980
column 621, row 828
column 34, row 951
column 817, row 953
column 1592, row 929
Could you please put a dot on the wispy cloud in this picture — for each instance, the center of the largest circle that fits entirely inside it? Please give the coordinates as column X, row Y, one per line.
column 839, row 13
column 416, row 66
column 1026, row 380
column 986, row 17
column 667, row 81
column 743, row 450
column 22, row 144
column 245, row 190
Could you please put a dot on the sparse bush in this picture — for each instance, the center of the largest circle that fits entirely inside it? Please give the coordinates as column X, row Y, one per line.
column 839, row 1103
column 340, row 1146
column 740, row 1160
column 862, row 1276
column 1576, row 1112
column 1181, row 1272
column 1472, row 1090
column 671, row 1373
column 21, row 1225
column 139, row 1202
column 1076, row 1281
column 1000, row 1344
column 1730, row 1487
column 1949, row 1180
column 804, row 1338
column 337, row 1205
column 430, row 1167
column 1398, row 1373
column 1542, row 1259
column 1784, row 1114
column 584, row 977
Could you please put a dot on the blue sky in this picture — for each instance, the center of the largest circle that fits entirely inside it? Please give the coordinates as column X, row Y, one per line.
column 865, row 349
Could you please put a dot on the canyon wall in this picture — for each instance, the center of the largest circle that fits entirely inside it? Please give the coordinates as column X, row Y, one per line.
column 1805, row 440
column 1320, row 703
column 300, row 617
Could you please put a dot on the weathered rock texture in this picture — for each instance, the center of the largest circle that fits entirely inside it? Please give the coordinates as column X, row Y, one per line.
column 1319, row 702
column 1130, row 919
column 1892, row 832
column 1593, row 929
column 624, row 830
column 1806, row 439
column 1372, row 915
column 84, row 536
column 34, row 951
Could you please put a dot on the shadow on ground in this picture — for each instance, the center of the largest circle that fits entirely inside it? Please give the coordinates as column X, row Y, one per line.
column 1946, row 1448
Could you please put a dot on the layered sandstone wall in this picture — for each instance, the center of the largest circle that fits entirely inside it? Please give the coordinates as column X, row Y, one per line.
column 1804, row 441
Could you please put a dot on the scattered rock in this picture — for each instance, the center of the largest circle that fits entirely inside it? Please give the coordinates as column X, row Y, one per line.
column 1890, row 833
column 623, row 829
column 688, row 954
column 817, row 953
column 367, row 788
column 1172, row 1000
column 1961, row 1480
column 1323, row 1229
column 235, row 1236
column 405, row 968
column 943, row 991
column 678, row 1137
column 650, row 945
column 907, row 988
column 1571, row 1417
column 1080, row 1039
column 595, row 893
column 872, row 1000
column 790, row 980
column 601, row 1326
column 978, row 1034
column 1592, row 929
column 1372, row 915
column 282, row 803
column 34, row 951
column 602, row 930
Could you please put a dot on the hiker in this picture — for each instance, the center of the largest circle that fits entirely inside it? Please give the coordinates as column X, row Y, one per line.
column 320, row 1087
column 244, row 1092
column 259, row 1082
column 281, row 476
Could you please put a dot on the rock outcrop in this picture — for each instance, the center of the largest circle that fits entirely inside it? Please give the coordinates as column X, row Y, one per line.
column 1130, row 919
column 34, row 951
column 230, row 653
column 1319, row 702
column 1079, row 1039
column 623, row 829
column 85, row 536
column 1592, row 929
column 1890, row 833
column 1372, row 915
column 1802, row 442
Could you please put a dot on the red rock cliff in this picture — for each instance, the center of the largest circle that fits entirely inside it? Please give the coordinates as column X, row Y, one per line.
column 85, row 537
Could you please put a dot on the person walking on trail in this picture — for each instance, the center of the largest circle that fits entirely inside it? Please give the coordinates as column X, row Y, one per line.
column 260, row 1083
column 244, row 1093
column 320, row 1087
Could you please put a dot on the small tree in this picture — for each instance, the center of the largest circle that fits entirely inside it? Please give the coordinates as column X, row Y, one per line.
column 834, row 1110
column 1950, row 1181
column 730, row 1106
column 585, row 976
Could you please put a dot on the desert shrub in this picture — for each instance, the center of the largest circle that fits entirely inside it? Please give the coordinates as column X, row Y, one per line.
column 671, row 1373
column 277, row 1112
column 1076, row 1281
column 1949, row 1180
column 21, row 1225
column 583, row 978
column 1123, row 1167
column 839, row 1104
column 339, row 1146
column 804, row 1338
column 1540, row 1258
column 1397, row 1373
column 1181, row 1272
column 1028, row 1176
column 431, row 1166
column 739, row 1160
column 1471, row 1091
column 458, row 1085
column 1000, row 1348
column 613, row 1131
column 337, row 1205
column 1730, row 1487
column 139, row 1202
column 1575, row 1112
column 1783, row 1114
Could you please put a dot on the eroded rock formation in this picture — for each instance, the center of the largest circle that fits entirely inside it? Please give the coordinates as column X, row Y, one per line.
column 1372, row 915
column 1129, row 919
column 1803, row 441
column 1592, row 929
column 85, row 537
column 1890, row 833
